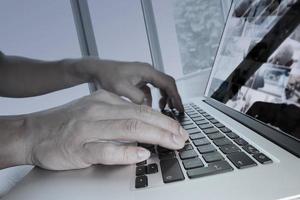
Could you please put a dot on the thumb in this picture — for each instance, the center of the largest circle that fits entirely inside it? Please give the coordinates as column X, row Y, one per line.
column 112, row 154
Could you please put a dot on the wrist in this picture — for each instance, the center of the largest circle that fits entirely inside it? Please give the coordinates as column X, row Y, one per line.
column 84, row 69
column 77, row 71
column 93, row 69
column 15, row 143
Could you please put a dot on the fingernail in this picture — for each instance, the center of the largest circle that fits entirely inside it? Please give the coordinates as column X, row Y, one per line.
column 177, row 139
column 143, row 154
column 183, row 133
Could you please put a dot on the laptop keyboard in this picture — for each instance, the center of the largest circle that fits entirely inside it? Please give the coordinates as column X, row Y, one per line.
column 212, row 148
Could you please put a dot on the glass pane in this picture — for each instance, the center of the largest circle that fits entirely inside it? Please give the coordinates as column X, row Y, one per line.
column 120, row 30
column 43, row 30
column 189, row 32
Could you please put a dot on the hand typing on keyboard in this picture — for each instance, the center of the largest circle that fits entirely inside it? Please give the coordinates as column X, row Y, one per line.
column 89, row 130
column 84, row 132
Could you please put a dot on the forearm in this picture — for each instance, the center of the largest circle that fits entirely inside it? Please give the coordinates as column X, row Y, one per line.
column 14, row 146
column 23, row 77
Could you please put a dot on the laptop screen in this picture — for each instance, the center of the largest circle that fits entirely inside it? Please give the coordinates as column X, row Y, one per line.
column 257, row 69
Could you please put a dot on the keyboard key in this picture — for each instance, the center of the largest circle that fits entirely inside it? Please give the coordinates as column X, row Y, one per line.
column 241, row 141
column 168, row 113
column 190, row 111
column 197, row 136
column 183, row 119
column 186, row 147
column 201, row 142
column 186, row 123
column 210, row 130
column 192, row 163
column 201, row 111
column 171, row 170
column 188, row 108
column 210, row 117
column 222, row 142
column 205, row 126
column 241, row 160
column 193, row 131
column 214, row 136
column 206, row 148
column 141, row 182
column 231, row 148
column 146, row 146
column 262, row 158
column 198, row 118
column 163, row 150
column 141, row 163
column 232, row 135
column 250, row 149
column 201, row 122
column 213, row 168
column 190, row 126
column 152, row 168
column 219, row 125
column 212, row 157
column 225, row 130
column 214, row 121
column 166, row 155
column 140, row 170
column 205, row 114
column 194, row 115
column 188, row 154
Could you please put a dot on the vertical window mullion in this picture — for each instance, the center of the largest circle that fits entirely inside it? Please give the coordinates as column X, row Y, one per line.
column 152, row 35
column 85, row 31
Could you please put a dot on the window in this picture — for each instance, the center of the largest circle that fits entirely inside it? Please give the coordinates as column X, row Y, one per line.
column 43, row 30
column 120, row 30
column 189, row 32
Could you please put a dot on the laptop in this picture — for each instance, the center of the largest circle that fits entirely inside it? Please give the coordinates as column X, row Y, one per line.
column 244, row 133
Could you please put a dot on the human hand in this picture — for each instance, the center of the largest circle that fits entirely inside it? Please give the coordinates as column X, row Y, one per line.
column 130, row 79
column 87, row 131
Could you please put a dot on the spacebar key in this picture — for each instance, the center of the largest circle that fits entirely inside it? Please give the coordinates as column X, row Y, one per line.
column 171, row 170
column 211, row 169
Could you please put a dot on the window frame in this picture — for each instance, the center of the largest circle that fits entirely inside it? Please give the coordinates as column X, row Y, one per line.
column 86, row 36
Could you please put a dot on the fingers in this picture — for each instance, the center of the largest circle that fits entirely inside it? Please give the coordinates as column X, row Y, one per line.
column 132, row 92
column 112, row 154
column 133, row 130
column 165, row 100
column 148, row 95
column 138, row 112
column 162, row 103
column 165, row 83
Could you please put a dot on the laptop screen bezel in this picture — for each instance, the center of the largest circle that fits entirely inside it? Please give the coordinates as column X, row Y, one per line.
column 278, row 137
